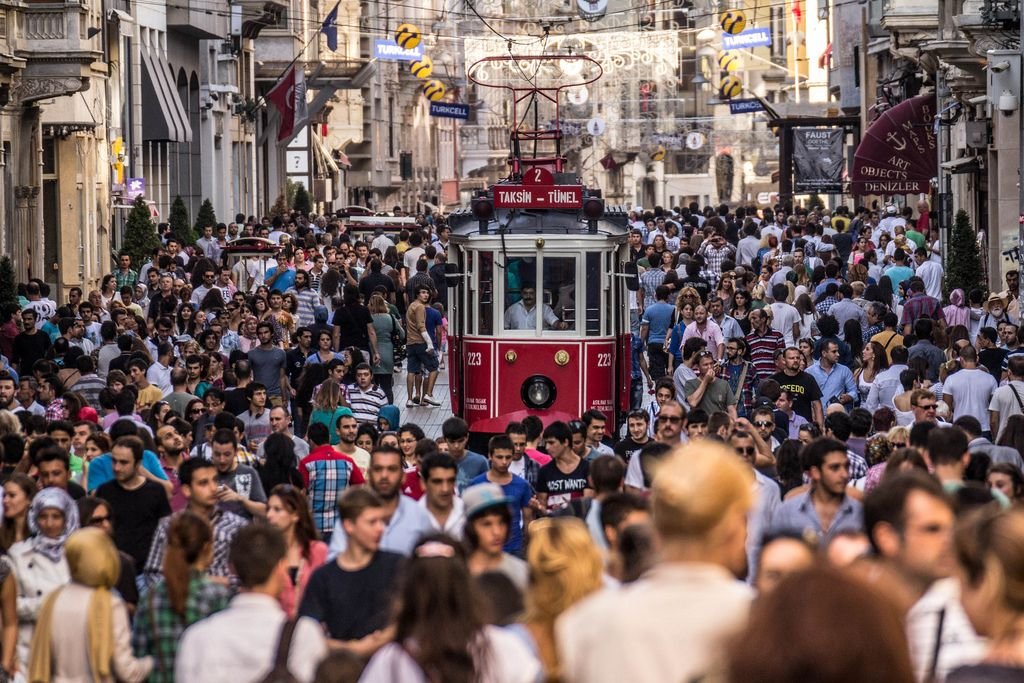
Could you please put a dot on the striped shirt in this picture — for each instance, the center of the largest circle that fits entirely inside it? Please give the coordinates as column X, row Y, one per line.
column 308, row 299
column 762, row 350
column 366, row 404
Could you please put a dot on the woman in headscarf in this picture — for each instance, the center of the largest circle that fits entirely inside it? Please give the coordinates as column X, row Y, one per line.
column 86, row 607
column 958, row 312
column 38, row 561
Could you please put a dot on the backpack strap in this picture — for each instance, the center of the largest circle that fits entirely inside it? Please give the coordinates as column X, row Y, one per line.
column 284, row 645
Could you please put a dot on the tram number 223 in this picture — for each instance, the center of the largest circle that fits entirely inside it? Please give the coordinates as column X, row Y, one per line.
column 474, row 359
column 604, row 360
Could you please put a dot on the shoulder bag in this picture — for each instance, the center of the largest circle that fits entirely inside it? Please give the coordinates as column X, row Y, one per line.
column 280, row 673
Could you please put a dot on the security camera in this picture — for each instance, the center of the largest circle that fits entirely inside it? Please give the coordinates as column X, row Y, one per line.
column 999, row 67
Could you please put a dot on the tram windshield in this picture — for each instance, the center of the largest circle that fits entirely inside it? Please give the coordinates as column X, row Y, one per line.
column 547, row 293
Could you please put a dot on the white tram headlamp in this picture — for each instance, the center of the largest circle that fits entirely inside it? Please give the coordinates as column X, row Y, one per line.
column 538, row 392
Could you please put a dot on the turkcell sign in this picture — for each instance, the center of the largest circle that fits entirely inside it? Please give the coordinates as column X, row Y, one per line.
column 752, row 37
column 449, row 110
column 745, row 106
column 538, row 196
column 389, row 50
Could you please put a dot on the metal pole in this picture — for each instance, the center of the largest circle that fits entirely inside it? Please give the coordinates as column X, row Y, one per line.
column 1020, row 141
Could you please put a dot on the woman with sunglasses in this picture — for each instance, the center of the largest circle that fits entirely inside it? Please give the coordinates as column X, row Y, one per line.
column 288, row 511
column 95, row 512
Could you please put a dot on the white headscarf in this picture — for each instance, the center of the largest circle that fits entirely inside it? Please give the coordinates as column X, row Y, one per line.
column 57, row 499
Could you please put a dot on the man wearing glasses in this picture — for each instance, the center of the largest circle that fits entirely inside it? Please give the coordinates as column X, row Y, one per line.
column 924, row 404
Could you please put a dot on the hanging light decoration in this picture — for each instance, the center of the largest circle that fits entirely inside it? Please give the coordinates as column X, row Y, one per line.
column 730, row 87
column 434, row 90
column 408, row 36
column 730, row 60
column 733, row 21
column 422, row 67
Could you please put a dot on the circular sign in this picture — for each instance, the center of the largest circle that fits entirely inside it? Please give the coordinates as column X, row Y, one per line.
column 578, row 95
column 561, row 358
column 695, row 140
column 592, row 10
column 595, row 126
column 538, row 176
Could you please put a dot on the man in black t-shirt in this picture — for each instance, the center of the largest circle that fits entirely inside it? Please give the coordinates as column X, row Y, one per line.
column 351, row 595
column 803, row 389
column 137, row 504
column 374, row 279
column 989, row 354
column 638, row 435
column 565, row 477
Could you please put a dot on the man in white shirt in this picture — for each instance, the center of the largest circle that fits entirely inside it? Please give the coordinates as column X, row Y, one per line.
column 1008, row 400
column 747, row 248
column 968, row 390
column 522, row 315
column 240, row 642
column 930, row 272
column 785, row 318
column 888, row 224
column 670, row 624
column 446, row 510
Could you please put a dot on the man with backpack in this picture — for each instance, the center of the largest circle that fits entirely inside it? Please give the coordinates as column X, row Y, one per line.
column 253, row 639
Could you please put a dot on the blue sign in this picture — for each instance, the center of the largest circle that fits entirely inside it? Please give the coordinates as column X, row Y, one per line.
column 752, row 37
column 389, row 50
column 449, row 110
column 745, row 106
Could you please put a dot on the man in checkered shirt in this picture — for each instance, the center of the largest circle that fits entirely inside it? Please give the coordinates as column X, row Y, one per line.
column 198, row 478
column 716, row 250
column 326, row 473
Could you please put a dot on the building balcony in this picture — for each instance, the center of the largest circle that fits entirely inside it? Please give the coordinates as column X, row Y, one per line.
column 911, row 17
column 202, row 19
column 57, row 49
column 261, row 6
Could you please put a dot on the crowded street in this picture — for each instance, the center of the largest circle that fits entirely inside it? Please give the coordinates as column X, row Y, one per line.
column 507, row 342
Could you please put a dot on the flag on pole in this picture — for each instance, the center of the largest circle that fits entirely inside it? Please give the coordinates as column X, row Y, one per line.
column 289, row 98
column 330, row 28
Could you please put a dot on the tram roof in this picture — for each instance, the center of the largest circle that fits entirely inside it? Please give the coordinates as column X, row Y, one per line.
column 614, row 223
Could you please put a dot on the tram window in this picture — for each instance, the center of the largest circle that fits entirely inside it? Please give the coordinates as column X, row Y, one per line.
column 560, row 290
column 486, row 293
column 553, row 293
column 593, row 280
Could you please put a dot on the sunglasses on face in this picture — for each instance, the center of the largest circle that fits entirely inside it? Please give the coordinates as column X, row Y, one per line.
column 674, row 419
column 763, row 424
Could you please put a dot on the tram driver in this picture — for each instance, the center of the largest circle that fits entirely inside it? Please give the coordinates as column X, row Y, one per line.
column 522, row 315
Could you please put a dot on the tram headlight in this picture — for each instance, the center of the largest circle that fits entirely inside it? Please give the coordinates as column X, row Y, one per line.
column 538, row 392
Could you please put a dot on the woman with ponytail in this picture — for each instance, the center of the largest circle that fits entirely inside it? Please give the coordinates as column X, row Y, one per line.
column 88, row 607
column 182, row 597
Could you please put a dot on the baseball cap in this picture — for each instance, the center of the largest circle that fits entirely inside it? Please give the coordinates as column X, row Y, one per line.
column 483, row 497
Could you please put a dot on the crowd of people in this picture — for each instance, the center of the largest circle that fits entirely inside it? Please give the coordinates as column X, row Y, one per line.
column 206, row 477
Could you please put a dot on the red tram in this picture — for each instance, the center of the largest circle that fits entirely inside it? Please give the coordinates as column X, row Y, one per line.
column 539, row 317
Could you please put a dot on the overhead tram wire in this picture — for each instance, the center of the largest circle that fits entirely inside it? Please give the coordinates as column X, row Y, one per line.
column 298, row 22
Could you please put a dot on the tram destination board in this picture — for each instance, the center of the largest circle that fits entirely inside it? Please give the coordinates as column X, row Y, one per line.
column 538, row 196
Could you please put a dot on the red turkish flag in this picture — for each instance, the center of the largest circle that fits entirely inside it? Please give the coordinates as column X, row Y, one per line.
column 289, row 97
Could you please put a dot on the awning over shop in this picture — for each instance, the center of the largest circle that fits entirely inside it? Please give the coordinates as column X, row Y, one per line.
column 163, row 115
column 898, row 152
